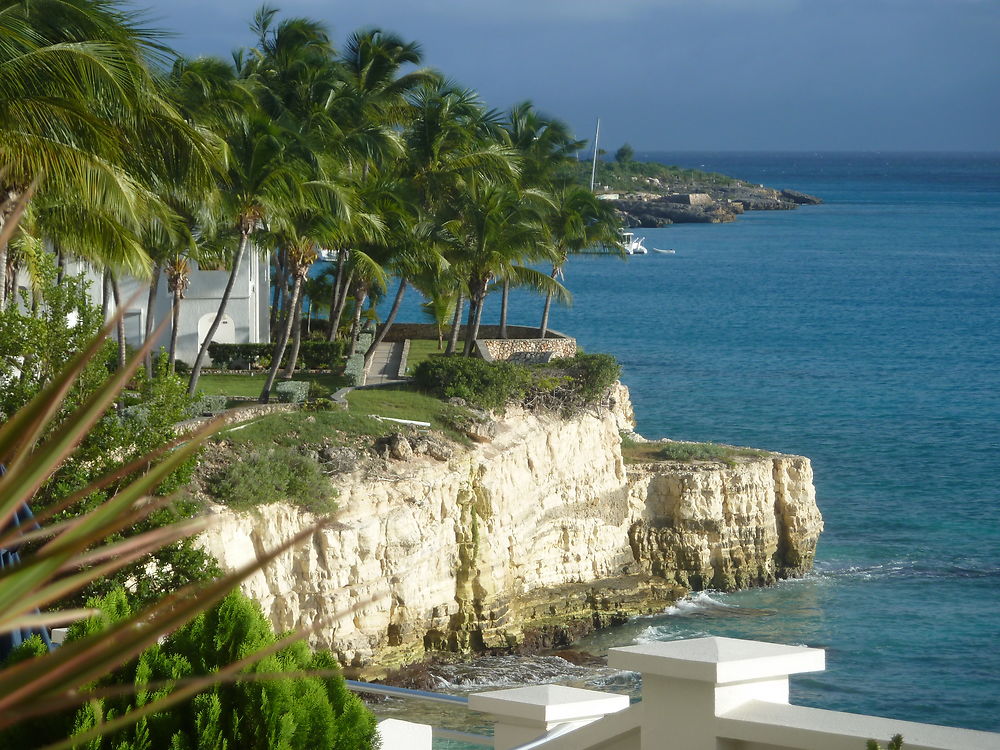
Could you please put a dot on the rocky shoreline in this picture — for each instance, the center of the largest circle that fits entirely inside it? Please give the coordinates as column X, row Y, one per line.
column 706, row 204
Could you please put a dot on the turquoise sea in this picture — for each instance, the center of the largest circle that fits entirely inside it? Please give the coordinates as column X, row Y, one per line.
column 865, row 334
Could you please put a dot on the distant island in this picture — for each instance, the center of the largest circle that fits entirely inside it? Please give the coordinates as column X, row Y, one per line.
column 649, row 194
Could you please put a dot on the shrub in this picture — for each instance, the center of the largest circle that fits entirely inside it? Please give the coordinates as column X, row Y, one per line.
column 208, row 405
column 296, row 713
column 292, row 391
column 564, row 384
column 488, row 385
column 318, row 390
column 354, row 370
column 316, row 355
column 273, row 475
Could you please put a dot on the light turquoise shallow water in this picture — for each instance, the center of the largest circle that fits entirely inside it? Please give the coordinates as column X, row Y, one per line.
column 862, row 333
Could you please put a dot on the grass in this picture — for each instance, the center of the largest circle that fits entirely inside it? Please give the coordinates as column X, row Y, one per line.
column 297, row 428
column 639, row 453
column 251, row 385
column 421, row 349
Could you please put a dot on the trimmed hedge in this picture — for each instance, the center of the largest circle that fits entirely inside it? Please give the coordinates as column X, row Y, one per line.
column 292, row 391
column 314, row 355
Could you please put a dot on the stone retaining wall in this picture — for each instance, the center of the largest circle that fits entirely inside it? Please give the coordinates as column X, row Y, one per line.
column 403, row 331
column 526, row 350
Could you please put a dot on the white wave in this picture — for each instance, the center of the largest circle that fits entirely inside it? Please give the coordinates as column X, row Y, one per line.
column 700, row 601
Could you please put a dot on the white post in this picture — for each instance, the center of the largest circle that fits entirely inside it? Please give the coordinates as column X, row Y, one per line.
column 527, row 713
column 687, row 684
column 395, row 734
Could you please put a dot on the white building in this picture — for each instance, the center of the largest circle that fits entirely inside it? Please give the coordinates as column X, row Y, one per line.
column 246, row 319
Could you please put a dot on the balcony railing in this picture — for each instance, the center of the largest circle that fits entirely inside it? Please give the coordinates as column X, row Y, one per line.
column 699, row 694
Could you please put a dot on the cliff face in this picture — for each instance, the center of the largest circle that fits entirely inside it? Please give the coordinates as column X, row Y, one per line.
column 531, row 539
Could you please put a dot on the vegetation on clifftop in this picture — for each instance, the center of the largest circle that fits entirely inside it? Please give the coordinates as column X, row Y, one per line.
column 635, row 452
column 631, row 176
column 563, row 384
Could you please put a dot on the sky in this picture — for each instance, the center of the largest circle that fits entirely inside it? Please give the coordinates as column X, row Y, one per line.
column 689, row 75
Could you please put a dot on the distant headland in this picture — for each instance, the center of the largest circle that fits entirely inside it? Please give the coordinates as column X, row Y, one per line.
column 648, row 194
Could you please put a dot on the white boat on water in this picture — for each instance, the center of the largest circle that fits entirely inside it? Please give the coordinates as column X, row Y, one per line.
column 633, row 245
column 662, row 251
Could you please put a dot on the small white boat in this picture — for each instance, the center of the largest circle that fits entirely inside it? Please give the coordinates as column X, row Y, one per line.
column 633, row 245
column 664, row 252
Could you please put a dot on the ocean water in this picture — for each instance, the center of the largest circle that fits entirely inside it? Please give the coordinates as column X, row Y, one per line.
column 865, row 334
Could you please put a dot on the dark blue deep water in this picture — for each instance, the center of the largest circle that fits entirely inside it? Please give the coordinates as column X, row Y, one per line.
column 865, row 334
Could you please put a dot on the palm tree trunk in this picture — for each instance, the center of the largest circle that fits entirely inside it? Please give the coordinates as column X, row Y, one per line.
column 470, row 325
column 279, row 347
column 455, row 326
column 105, row 296
column 175, row 324
column 503, row 309
column 150, row 313
column 199, row 361
column 388, row 323
column 280, row 286
column 360, row 295
column 3, row 272
column 60, row 266
column 120, row 326
column 297, row 338
column 337, row 313
column 335, row 297
column 544, row 327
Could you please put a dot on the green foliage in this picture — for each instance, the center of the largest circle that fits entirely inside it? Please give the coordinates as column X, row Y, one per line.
column 34, row 347
column 318, row 390
column 590, row 375
column 619, row 175
column 271, row 475
column 562, row 384
column 488, row 385
column 291, row 712
column 292, row 392
column 896, row 743
column 208, row 404
column 354, row 369
column 315, row 355
column 625, row 154
column 636, row 452
column 232, row 385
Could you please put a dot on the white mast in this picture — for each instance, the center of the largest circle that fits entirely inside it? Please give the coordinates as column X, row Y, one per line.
column 593, row 169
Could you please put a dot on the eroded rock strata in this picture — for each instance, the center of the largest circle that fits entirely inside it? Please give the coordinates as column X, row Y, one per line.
column 526, row 541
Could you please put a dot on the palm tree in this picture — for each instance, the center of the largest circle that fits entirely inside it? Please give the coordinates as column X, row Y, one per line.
column 578, row 220
column 451, row 140
column 80, row 107
column 305, row 232
column 495, row 229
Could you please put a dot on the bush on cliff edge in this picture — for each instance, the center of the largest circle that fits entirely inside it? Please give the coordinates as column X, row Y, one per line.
column 562, row 384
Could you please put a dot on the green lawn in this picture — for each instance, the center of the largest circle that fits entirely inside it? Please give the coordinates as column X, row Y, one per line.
column 251, row 385
column 421, row 349
column 296, row 428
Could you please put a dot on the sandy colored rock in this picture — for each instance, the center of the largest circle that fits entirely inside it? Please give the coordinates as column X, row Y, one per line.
column 534, row 537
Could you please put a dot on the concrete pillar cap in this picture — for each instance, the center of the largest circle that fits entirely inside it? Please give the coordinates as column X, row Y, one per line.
column 548, row 703
column 718, row 660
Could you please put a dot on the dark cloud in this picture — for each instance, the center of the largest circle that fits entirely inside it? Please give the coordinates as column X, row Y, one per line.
column 694, row 74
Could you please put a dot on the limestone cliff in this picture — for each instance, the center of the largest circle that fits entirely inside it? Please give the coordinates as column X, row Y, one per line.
column 539, row 535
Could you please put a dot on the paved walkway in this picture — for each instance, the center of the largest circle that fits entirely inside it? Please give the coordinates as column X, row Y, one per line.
column 385, row 364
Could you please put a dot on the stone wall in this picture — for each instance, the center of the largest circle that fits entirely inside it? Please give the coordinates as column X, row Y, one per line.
column 690, row 199
column 526, row 350
column 403, row 331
